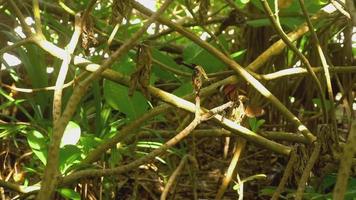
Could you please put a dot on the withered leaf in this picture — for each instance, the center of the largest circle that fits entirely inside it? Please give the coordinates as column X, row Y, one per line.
column 121, row 9
column 204, row 6
column 88, row 38
column 140, row 79
column 197, row 78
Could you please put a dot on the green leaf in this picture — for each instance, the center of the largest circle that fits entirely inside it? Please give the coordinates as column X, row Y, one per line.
column 317, row 101
column 68, row 156
column 69, row 193
column 115, row 157
column 71, row 134
column 38, row 145
column 184, row 89
column 194, row 54
column 166, row 60
column 89, row 142
column 117, row 97
column 255, row 124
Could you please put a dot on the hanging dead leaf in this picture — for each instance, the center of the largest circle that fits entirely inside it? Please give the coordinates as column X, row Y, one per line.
column 197, row 78
column 141, row 77
column 204, row 6
column 88, row 38
column 121, row 9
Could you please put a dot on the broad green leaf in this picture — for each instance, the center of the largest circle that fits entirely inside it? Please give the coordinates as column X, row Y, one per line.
column 117, row 97
column 38, row 145
column 194, row 54
column 69, row 193
column 166, row 60
column 317, row 101
column 71, row 134
column 115, row 157
column 184, row 89
column 68, row 156
column 289, row 22
column 89, row 142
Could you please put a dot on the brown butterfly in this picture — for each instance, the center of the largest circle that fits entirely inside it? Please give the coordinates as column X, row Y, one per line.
column 232, row 93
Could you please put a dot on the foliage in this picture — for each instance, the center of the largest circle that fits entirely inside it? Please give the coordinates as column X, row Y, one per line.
column 121, row 119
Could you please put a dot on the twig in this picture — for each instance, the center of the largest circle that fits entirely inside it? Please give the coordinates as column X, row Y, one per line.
column 325, row 68
column 237, row 68
column 345, row 164
column 306, row 172
column 350, row 6
column 174, row 176
column 230, row 171
column 186, row 105
column 340, row 8
column 15, row 45
column 33, row 90
column 298, row 70
column 286, row 174
column 49, row 181
column 27, row 28
column 124, row 168
column 37, row 15
column 57, row 96
column 18, row 188
column 305, row 61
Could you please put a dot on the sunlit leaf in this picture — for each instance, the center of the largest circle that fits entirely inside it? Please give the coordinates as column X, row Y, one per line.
column 38, row 145
column 71, row 134
column 69, row 193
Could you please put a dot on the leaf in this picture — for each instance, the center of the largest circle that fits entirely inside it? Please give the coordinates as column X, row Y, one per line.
column 38, row 145
column 71, row 134
column 194, row 54
column 117, row 97
column 115, row 157
column 166, row 60
column 69, row 193
column 89, row 142
column 317, row 102
column 184, row 89
column 68, row 156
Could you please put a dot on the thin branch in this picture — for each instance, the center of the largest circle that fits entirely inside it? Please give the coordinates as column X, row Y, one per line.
column 174, row 176
column 340, row 8
column 305, row 61
column 37, row 15
column 27, row 28
column 325, row 67
column 287, row 172
column 50, row 179
column 230, row 171
column 57, row 96
column 18, row 188
column 33, row 90
column 345, row 164
column 239, row 69
column 15, row 45
column 132, row 165
column 306, row 172
column 298, row 70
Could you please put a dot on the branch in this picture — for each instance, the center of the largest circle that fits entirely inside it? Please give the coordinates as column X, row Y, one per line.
column 57, row 96
column 190, row 107
column 345, row 164
column 306, row 172
column 49, row 181
column 325, row 67
column 152, row 155
column 237, row 68
column 285, row 38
